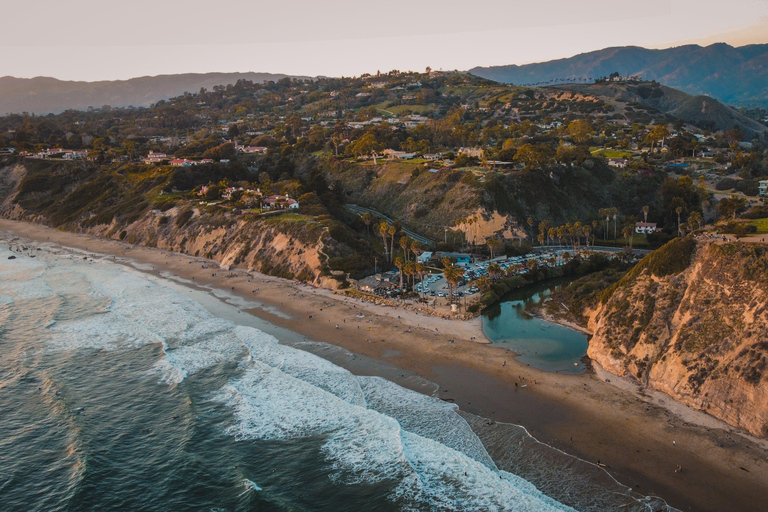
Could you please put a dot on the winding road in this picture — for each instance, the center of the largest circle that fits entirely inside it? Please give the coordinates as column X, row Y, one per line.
column 419, row 238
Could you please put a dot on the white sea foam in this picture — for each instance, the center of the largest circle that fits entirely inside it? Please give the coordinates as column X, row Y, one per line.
column 369, row 430
column 424, row 415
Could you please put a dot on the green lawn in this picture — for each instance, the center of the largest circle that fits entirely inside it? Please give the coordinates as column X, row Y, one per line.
column 761, row 225
column 610, row 153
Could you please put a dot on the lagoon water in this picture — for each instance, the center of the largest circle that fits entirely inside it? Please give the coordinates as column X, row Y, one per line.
column 120, row 393
column 539, row 343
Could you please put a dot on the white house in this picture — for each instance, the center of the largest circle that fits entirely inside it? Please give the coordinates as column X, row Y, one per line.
column 645, row 228
column 762, row 188
column 617, row 162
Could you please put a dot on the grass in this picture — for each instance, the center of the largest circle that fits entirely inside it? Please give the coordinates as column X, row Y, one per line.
column 611, row 153
column 761, row 225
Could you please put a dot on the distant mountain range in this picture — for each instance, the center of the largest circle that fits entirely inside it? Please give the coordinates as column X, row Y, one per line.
column 44, row 95
column 736, row 76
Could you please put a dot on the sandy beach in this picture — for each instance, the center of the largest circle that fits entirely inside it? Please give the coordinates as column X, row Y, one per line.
column 640, row 436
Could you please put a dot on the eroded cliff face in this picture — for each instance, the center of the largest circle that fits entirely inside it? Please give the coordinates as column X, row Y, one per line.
column 290, row 246
column 692, row 321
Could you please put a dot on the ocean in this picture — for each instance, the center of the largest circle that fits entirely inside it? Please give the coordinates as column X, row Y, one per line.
column 120, row 392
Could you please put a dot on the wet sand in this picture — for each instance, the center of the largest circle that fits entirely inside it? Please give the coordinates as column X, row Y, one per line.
column 640, row 440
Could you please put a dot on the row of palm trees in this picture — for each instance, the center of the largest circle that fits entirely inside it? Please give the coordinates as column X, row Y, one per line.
column 388, row 232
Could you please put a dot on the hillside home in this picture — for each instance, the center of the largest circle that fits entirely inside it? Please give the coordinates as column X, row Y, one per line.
column 645, row 228
column 153, row 158
column 762, row 188
column 617, row 162
column 280, row 202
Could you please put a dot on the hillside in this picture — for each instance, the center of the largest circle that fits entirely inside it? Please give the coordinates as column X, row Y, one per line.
column 45, row 95
column 736, row 76
column 129, row 203
column 701, row 111
column 690, row 320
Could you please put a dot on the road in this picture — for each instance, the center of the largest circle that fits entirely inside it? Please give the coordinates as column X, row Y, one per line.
column 596, row 248
column 419, row 238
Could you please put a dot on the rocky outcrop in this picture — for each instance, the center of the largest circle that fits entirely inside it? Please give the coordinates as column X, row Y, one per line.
column 691, row 320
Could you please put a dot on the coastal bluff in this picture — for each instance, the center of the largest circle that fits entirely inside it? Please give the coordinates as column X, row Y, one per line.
column 690, row 320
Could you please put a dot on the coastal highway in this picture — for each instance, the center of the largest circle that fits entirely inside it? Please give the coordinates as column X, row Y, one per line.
column 419, row 238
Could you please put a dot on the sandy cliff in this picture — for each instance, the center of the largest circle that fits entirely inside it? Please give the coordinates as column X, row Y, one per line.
column 691, row 320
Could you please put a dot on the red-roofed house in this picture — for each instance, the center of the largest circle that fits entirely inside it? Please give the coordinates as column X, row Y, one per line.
column 280, row 202
column 645, row 227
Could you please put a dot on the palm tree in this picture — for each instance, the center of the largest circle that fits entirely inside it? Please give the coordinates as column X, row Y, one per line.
column 419, row 269
column 404, row 243
column 627, row 231
column 566, row 256
column 453, row 275
column 530, row 225
column 367, row 219
column 494, row 271
column 415, row 248
column 586, row 230
column 383, row 231
column 399, row 265
column 614, row 212
column 695, row 218
column 679, row 210
column 409, row 272
column 392, row 231
column 646, row 209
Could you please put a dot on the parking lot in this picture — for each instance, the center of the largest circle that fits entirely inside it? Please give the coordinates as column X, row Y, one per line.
column 436, row 286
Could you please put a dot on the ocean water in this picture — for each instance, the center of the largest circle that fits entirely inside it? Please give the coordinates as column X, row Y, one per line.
column 118, row 392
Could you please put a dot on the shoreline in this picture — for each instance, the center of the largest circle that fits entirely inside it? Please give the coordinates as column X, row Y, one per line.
column 581, row 415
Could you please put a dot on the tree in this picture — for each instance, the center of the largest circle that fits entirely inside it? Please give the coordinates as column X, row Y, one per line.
column 367, row 219
column 580, row 131
column 679, row 210
column 404, row 244
column 695, row 219
column 615, row 213
column 453, row 275
column 646, row 209
column 731, row 206
column 659, row 133
column 399, row 264
column 392, row 231
column 530, row 226
column 494, row 271
column 384, row 231
column 533, row 156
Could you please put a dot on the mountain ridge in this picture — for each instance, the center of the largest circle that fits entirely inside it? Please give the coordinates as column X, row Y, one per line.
column 47, row 95
column 733, row 75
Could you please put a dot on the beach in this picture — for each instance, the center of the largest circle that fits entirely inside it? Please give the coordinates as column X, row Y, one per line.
column 640, row 437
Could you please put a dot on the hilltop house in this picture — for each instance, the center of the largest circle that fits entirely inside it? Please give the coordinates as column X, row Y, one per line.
column 280, row 202
column 762, row 188
column 645, row 228
column 153, row 158
column 617, row 162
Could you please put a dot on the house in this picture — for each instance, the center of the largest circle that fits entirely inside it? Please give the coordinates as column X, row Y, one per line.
column 181, row 162
column 645, row 228
column 75, row 154
column 280, row 202
column 471, row 152
column 424, row 257
column 461, row 258
column 153, row 158
column 762, row 188
column 617, row 162
column 252, row 149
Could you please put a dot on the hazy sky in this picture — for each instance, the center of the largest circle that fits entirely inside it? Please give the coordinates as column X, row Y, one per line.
column 109, row 39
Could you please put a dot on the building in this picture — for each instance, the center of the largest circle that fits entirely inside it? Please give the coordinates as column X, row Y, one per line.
column 154, row 158
column 252, row 149
column 424, row 257
column 617, row 162
column 645, row 228
column 762, row 188
column 280, row 202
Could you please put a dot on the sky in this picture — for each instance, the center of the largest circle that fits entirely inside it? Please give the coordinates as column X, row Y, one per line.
column 109, row 39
